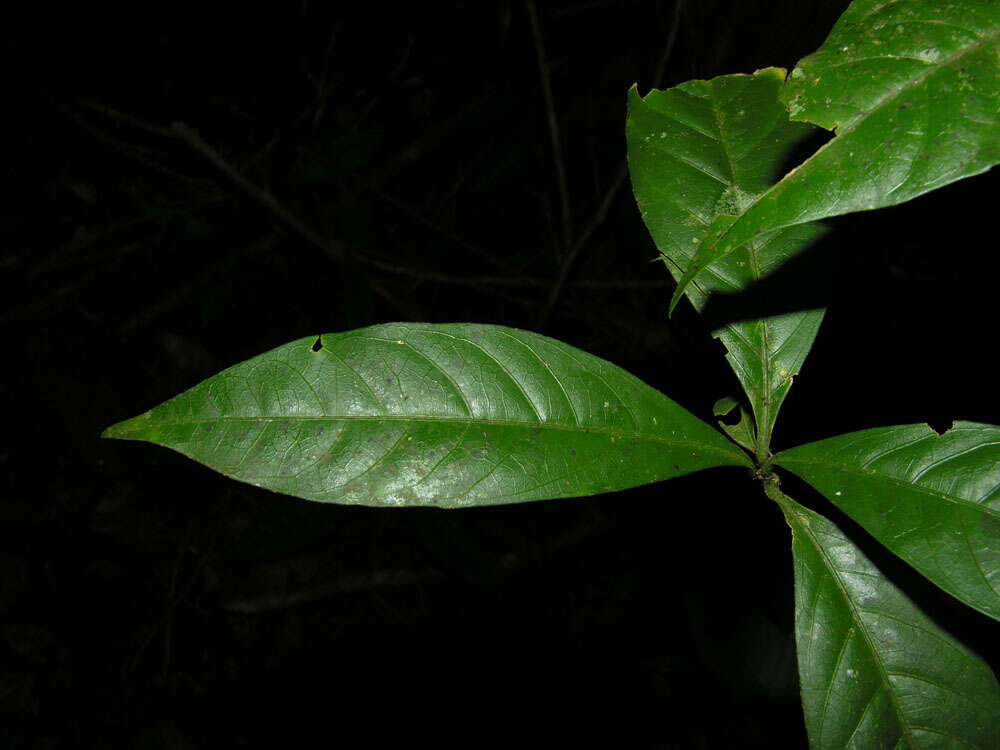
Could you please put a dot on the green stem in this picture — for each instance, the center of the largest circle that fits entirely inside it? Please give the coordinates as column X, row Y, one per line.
column 772, row 488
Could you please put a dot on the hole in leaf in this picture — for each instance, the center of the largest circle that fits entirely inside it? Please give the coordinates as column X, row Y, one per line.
column 940, row 426
column 317, row 344
column 804, row 148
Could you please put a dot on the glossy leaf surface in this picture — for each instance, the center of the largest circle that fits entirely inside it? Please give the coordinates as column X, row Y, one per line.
column 699, row 154
column 442, row 415
column 912, row 90
column 934, row 500
column 742, row 431
column 874, row 670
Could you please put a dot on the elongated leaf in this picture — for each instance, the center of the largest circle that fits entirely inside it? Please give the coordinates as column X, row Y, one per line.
column 874, row 670
column 912, row 90
column 699, row 154
column 934, row 500
column 445, row 415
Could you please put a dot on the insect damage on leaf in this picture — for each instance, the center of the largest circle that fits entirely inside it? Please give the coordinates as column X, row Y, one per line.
column 733, row 201
column 941, row 427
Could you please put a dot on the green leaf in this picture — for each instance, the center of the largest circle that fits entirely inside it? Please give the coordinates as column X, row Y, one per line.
column 912, row 90
column 934, row 500
column 742, row 431
column 446, row 415
column 874, row 670
column 699, row 154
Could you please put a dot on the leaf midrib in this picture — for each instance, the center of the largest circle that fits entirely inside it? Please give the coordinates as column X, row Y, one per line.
column 452, row 420
column 840, row 132
column 957, row 500
column 763, row 432
column 912, row 83
column 860, row 625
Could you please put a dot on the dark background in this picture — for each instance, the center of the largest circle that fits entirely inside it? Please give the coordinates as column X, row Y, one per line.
column 147, row 602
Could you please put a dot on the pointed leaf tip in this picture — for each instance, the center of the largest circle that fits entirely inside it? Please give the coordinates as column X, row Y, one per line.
column 678, row 293
column 433, row 415
column 699, row 156
column 127, row 429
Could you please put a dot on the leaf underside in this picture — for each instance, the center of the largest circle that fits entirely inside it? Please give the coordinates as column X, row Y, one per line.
column 699, row 154
column 934, row 500
column 912, row 90
column 874, row 670
column 437, row 415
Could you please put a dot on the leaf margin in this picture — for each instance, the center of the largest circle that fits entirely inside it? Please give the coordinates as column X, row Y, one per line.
column 593, row 439
column 947, row 536
column 804, row 524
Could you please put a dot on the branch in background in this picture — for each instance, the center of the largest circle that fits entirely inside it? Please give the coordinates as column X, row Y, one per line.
column 435, row 277
column 351, row 583
column 237, row 183
column 244, row 188
column 570, row 260
column 249, row 601
column 619, row 179
column 132, row 152
column 419, row 217
column 290, row 223
column 410, row 310
column 543, row 73
column 668, row 50
column 282, row 216
column 178, row 294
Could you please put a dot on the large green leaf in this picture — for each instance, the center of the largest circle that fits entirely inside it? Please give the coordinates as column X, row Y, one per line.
column 445, row 415
column 932, row 499
column 912, row 90
column 874, row 670
column 700, row 153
